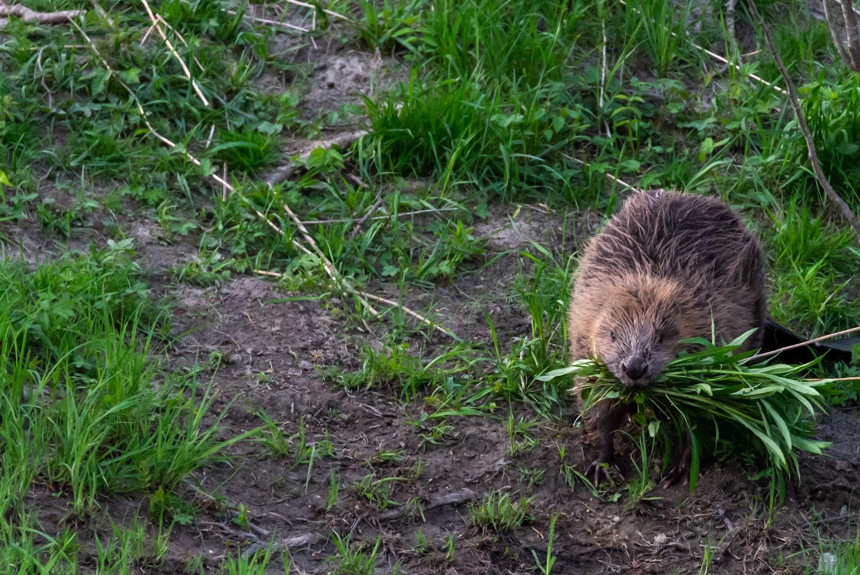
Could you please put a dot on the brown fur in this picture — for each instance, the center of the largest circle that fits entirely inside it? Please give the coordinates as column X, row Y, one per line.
column 669, row 266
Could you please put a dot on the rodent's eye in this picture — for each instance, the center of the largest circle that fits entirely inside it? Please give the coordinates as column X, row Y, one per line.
column 612, row 336
column 660, row 336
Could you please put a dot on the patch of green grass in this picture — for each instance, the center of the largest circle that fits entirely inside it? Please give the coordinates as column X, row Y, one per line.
column 814, row 272
column 500, row 512
column 354, row 558
column 544, row 295
column 662, row 28
column 81, row 408
column 545, row 566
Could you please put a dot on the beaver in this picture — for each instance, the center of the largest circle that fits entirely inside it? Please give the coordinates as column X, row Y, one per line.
column 667, row 267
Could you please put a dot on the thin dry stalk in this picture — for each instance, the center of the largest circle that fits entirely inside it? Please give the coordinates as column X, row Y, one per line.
column 834, row 27
column 851, row 33
column 331, row 270
column 329, row 267
column 408, row 311
column 145, row 118
column 804, row 343
column 379, row 199
column 801, row 120
column 156, row 23
column 624, row 185
column 329, row 12
column 286, row 25
column 602, row 91
column 386, row 217
column 176, row 33
column 730, row 28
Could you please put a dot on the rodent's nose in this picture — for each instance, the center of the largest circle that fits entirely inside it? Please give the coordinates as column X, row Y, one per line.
column 635, row 368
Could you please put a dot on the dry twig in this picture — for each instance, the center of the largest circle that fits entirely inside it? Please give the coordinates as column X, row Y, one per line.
column 386, row 217
column 834, row 27
column 794, row 100
column 804, row 343
column 329, row 12
column 414, row 314
column 27, row 15
column 286, row 172
column 851, row 33
column 156, row 23
column 719, row 58
column 357, row 228
column 624, row 185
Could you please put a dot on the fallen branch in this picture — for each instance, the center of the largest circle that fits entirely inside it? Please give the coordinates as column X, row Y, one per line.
column 624, row 185
column 286, row 172
column 803, row 343
column 453, row 498
column 289, row 543
column 794, row 100
column 833, row 25
column 27, row 15
column 270, row 22
column 358, row 225
column 851, row 33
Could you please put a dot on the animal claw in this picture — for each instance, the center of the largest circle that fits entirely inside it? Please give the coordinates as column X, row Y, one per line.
column 603, row 470
column 681, row 470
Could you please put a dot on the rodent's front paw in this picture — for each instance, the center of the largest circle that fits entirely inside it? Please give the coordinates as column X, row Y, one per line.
column 681, row 470
column 604, row 469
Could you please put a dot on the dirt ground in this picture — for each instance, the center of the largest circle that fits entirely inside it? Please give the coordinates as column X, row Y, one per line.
column 274, row 353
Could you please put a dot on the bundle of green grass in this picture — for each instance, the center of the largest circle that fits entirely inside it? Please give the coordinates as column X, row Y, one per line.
column 720, row 402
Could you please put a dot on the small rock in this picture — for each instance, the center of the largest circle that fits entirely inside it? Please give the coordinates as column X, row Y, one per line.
column 660, row 539
column 828, row 564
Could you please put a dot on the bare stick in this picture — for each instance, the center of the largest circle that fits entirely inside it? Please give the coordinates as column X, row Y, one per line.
column 270, row 22
column 730, row 27
column 27, row 15
column 286, row 172
column 167, row 25
column 329, row 12
column 157, row 24
column 601, row 93
column 801, row 120
column 389, row 216
column 379, row 199
column 851, row 33
column 624, row 185
column 804, row 343
column 408, row 311
column 145, row 117
column 834, row 26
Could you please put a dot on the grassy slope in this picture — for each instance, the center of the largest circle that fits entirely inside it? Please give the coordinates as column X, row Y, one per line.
column 505, row 102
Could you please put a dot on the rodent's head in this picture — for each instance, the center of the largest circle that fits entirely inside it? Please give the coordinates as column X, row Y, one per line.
column 638, row 332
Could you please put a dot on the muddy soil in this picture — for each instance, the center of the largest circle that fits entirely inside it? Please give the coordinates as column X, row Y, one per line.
column 274, row 354
column 272, row 349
